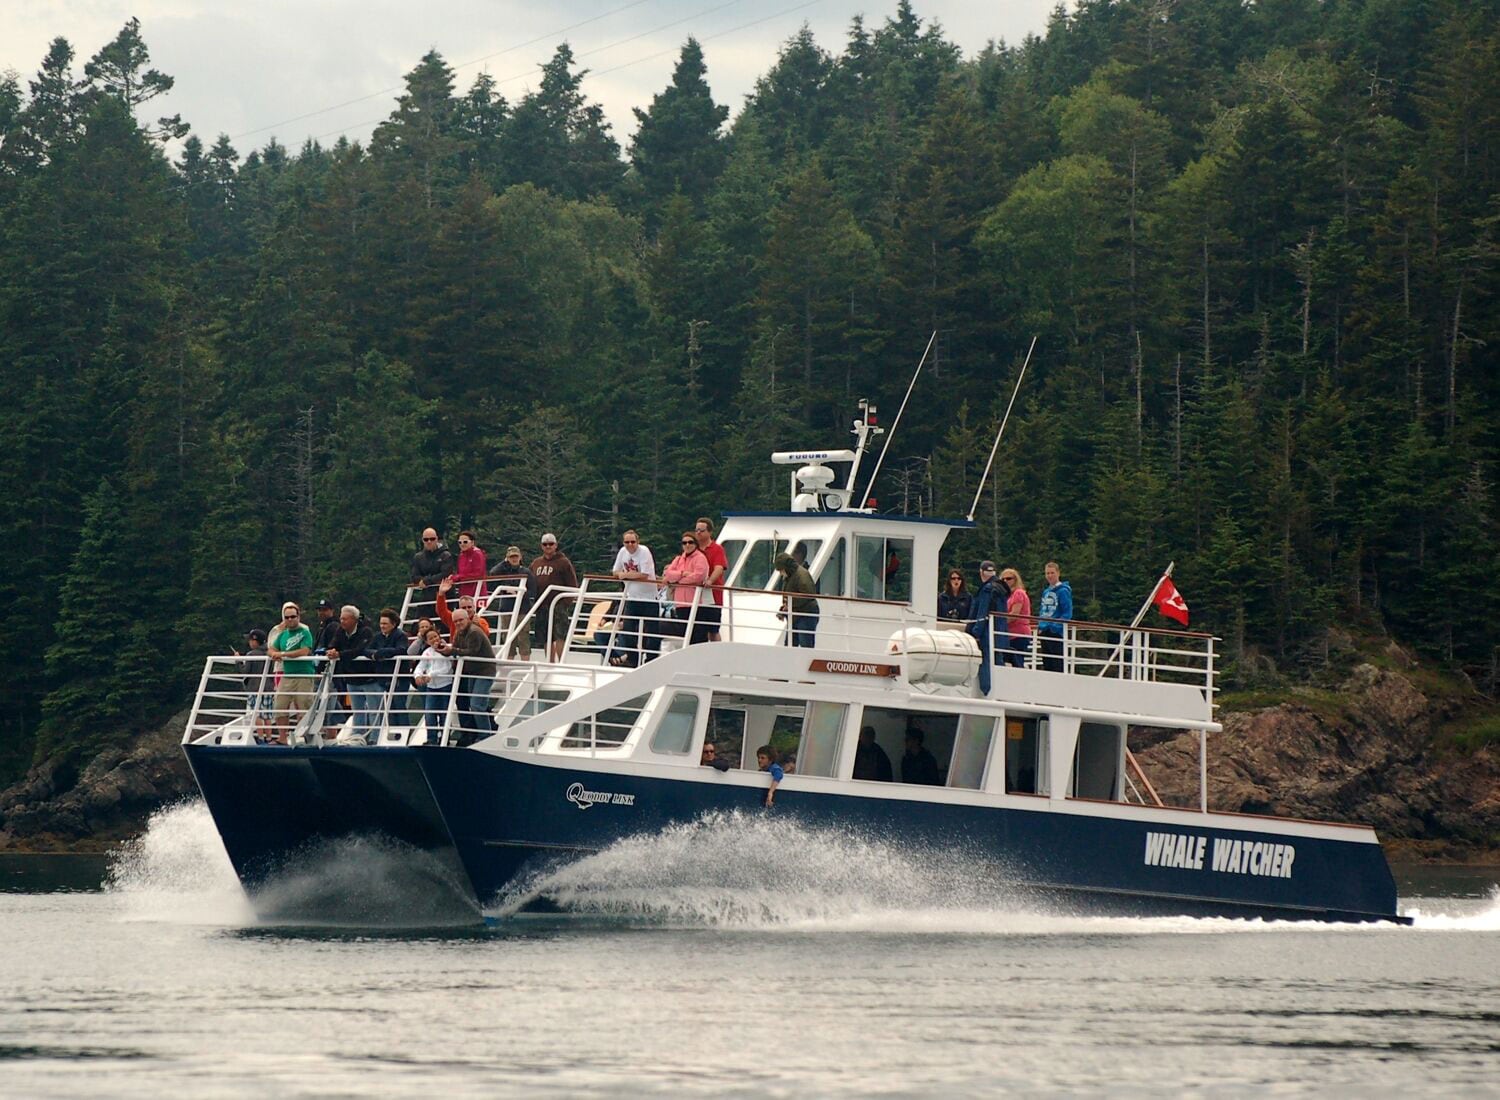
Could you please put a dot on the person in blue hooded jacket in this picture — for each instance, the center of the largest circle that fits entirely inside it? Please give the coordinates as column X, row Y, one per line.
column 990, row 597
column 1056, row 607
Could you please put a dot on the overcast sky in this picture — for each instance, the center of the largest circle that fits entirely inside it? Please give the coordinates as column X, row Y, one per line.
column 292, row 67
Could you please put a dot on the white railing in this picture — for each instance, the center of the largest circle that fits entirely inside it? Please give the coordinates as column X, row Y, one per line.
column 1106, row 650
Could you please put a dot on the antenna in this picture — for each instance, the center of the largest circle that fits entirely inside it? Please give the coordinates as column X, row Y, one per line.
column 897, row 422
column 1003, row 421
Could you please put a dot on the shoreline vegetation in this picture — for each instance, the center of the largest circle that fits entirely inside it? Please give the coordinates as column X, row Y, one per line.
column 1256, row 245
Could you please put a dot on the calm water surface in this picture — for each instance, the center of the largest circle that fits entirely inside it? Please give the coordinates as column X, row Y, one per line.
column 780, row 964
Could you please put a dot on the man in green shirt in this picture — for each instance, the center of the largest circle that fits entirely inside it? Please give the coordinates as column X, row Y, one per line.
column 798, row 605
column 291, row 645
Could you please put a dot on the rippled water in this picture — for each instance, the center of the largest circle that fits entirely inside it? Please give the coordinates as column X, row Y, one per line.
column 735, row 956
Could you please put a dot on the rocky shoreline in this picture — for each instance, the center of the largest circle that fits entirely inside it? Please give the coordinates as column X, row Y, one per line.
column 1375, row 750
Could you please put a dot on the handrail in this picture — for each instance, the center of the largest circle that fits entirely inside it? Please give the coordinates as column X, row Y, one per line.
column 748, row 591
column 1089, row 625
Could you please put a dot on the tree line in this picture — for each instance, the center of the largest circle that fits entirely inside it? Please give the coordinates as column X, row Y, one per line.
column 1256, row 244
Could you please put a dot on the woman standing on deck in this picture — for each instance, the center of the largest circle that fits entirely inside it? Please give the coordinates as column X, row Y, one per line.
column 687, row 573
column 1018, row 625
column 954, row 601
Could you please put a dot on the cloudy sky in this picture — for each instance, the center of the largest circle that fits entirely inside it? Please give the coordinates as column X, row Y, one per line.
column 321, row 68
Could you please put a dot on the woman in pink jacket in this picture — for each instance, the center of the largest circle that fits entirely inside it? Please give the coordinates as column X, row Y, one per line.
column 1018, row 626
column 472, row 566
column 688, row 573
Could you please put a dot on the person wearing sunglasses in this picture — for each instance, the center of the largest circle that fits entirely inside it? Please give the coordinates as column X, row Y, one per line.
column 687, row 575
column 429, row 566
column 290, row 646
column 637, row 568
column 553, row 569
column 954, row 600
column 473, row 567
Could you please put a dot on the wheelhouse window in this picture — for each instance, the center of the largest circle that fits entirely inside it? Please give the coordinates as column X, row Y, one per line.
column 830, row 579
column 882, row 569
column 733, row 548
column 759, row 563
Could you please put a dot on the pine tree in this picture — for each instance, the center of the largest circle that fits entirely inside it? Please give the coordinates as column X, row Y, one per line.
column 678, row 148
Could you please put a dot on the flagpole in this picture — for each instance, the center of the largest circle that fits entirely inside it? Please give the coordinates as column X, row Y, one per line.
column 1139, row 615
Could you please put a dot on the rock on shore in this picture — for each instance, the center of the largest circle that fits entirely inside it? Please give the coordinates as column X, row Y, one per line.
column 54, row 810
column 1369, row 753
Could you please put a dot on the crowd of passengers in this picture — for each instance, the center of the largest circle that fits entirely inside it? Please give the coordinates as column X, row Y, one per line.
column 685, row 601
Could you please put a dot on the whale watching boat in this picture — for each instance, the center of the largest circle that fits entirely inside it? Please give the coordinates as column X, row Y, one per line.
column 524, row 762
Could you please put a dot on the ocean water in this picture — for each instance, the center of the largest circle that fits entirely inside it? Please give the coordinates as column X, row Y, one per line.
column 737, row 956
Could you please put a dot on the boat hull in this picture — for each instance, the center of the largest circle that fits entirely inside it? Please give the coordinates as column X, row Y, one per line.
column 497, row 817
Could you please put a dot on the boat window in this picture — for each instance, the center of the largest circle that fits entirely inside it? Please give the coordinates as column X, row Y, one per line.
column 882, row 569
column 607, row 728
column 1097, row 761
column 733, row 548
column 805, row 551
column 1025, row 754
column 971, row 751
column 821, row 735
column 929, row 761
column 674, row 733
column 740, row 724
column 726, row 729
column 760, row 563
column 830, row 578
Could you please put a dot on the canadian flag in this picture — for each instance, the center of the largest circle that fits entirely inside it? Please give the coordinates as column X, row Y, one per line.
column 1169, row 601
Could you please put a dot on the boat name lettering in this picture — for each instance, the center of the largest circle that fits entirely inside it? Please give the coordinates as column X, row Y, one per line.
column 1231, row 857
column 854, row 668
column 583, row 798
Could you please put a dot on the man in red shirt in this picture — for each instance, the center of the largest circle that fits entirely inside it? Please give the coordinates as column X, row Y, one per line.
column 711, row 614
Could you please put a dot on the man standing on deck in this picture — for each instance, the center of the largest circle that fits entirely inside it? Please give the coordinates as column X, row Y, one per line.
column 328, row 626
column 478, row 675
column 1056, row 608
column 552, row 570
column 517, row 595
column 798, row 607
column 354, row 671
column 429, row 566
column 711, row 613
column 291, row 645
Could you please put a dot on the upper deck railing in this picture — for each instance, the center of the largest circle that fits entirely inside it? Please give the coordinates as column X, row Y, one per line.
column 600, row 627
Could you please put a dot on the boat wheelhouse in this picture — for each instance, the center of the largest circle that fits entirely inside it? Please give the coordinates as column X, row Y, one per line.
column 526, row 761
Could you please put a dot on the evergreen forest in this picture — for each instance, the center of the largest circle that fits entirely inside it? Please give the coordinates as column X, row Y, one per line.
column 1255, row 240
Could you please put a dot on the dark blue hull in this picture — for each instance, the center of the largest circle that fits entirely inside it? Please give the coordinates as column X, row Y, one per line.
column 495, row 817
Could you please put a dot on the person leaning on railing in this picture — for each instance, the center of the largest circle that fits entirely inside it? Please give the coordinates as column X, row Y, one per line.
column 687, row 574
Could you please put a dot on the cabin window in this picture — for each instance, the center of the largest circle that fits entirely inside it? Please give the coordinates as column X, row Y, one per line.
column 1097, row 761
column 822, row 732
column 929, row 761
column 674, row 733
column 882, row 568
column 605, row 729
column 1025, row 754
column 830, row 578
column 777, row 722
column 971, row 751
column 805, row 551
column 726, row 729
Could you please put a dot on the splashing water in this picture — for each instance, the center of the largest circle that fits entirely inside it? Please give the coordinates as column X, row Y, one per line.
column 747, row 870
column 177, row 871
column 1486, row 919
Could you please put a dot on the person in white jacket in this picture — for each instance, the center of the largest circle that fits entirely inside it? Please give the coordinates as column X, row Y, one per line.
column 433, row 677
